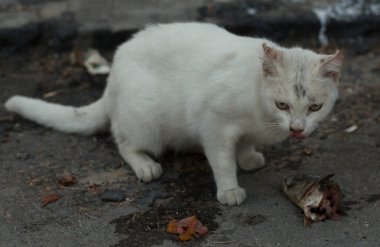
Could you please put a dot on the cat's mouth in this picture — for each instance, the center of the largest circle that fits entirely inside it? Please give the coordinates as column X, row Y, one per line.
column 297, row 135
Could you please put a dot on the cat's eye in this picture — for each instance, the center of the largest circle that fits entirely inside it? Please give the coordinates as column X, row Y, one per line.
column 282, row 106
column 315, row 107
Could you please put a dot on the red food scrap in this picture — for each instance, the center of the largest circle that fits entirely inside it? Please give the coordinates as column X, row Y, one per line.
column 50, row 199
column 187, row 228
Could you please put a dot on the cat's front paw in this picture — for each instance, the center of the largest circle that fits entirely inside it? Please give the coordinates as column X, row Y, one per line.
column 232, row 197
column 148, row 171
column 251, row 161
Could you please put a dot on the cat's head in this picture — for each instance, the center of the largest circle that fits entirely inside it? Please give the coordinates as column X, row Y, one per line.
column 300, row 87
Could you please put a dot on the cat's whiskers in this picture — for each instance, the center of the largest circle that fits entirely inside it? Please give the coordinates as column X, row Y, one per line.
column 270, row 125
column 335, row 116
column 275, row 132
column 274, row 129
column 329, row 123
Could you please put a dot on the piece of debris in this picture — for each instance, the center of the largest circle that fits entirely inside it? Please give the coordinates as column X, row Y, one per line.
column 67, row 180
column 318, row 197
column 113, row 195
column 50, row 199
column 351, row 129
column 307, row 151
column 34, row 181
column 51, row 94
column 95, row 63
column 94, row 189
column 187, row 228
column 67, row 72
column 9, row 118
column 77, row 57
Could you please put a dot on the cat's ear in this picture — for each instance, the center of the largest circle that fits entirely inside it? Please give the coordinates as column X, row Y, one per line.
column 271, row 59
column 331, row 66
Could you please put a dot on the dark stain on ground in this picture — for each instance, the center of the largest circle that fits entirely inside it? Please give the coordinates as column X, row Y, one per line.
column 190, row 191
column 373, row 198
column 255, row 219
column 250, row 220
column 279, row 158
column 347, row 205
column 42, row 223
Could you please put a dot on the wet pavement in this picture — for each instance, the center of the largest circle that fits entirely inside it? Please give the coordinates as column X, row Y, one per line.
column 33, row 159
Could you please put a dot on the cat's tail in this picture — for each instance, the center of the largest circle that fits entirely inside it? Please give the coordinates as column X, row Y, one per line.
column 82, row 120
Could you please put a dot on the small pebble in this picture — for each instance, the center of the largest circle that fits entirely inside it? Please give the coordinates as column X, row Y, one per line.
column 307, row 151
column 110, row 195
column 67, row 180
column 351, row 129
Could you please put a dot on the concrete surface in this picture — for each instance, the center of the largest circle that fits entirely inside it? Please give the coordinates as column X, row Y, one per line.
column 33, row 158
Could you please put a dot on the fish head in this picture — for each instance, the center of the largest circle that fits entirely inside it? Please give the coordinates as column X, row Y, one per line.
column 318, row 197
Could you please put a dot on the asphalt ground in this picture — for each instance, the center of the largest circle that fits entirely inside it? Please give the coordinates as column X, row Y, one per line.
column 33, row 159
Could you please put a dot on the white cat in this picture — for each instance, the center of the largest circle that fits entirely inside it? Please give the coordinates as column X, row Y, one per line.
column 185, row 84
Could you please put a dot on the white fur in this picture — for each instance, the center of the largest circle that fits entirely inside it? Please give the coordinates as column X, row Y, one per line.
column 185, row 84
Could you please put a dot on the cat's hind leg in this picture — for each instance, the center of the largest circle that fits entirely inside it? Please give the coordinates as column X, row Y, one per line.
column 145, row 168
column 136, row 149
column 247, row 157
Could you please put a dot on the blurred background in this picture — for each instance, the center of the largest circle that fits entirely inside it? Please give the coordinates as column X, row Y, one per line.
column 64, row 23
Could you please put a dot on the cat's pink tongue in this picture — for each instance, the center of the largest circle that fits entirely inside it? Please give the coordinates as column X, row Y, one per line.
column 298, row 135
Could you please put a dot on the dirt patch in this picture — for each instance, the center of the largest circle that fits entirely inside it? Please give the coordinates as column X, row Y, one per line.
column 187, row 191
column 373, row 198
column 255, row 219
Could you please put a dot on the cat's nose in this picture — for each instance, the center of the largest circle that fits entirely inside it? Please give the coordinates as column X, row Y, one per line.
column 296, row 130
column 297, row 133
